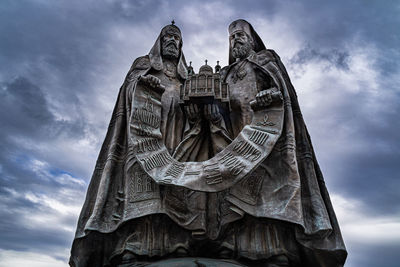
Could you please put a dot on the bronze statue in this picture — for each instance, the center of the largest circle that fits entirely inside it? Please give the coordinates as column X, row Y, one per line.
column 208, row 169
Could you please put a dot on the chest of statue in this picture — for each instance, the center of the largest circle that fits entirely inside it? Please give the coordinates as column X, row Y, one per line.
column 242, row 80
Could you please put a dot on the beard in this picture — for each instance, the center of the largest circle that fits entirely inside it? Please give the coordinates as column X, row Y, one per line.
column 241, row 50
column 169, row 50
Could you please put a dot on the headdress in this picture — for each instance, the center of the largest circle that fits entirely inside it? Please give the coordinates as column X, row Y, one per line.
column 244, row 26
column 156, row 56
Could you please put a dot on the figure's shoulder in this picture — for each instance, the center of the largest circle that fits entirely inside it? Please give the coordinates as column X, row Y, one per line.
column 141, row 63
column 224, row 71
column 265, row 56
column 138, row 67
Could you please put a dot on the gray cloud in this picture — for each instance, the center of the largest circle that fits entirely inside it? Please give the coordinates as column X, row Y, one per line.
column 355, row 125
column 335, row 57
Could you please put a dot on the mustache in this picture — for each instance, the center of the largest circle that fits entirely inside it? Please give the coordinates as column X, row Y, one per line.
column 171, row 43
column 236, row 43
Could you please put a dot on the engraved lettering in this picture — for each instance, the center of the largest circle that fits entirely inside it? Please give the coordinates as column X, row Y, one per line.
column 258, row 137
column 234, row 164
column 157, row 160
column 146, row 117
column 148, row 144
column 149, row 106
column 237, row 169
column 142, row 130
column 175, row 170
column 247, row 150
column 213, row 174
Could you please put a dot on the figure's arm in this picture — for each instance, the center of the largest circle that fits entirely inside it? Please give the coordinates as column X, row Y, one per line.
column 153, row 82
column 265, row 97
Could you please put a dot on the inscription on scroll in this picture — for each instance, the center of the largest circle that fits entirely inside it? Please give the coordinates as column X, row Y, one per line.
column 234, row 164
column 157, row 160
column 213, row 174
column 175, row 169
column 148, row 144
column 147, row 117
column 258, row 137
column 218, row 173
column 142, row 129
column 247, row 150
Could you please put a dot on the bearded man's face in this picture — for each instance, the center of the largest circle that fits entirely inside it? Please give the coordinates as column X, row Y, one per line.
column 241, row 44
column 170, row 45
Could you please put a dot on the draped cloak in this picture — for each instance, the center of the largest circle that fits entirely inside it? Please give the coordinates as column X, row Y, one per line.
column 107, row 207
column 291, row 164
column 287, row 186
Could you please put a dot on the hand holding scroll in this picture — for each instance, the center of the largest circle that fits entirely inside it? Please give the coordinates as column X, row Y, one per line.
column 265, row 98
column 153, row 82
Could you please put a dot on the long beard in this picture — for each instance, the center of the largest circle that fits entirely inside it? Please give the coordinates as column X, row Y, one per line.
column 241, row 50
column 169, row 50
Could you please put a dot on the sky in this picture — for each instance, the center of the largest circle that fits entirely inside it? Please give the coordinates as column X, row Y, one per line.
column 62, row 64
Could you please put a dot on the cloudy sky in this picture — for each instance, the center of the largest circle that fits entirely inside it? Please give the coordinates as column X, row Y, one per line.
column 62, row 63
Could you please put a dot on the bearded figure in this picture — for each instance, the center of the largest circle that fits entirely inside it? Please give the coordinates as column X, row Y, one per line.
column 287, row 216
column 125, row 214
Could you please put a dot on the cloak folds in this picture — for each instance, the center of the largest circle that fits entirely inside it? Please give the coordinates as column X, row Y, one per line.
column 111, row 198
column 292, row 187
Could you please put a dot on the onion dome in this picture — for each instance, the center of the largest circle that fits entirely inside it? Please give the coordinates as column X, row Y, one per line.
column 206, row 69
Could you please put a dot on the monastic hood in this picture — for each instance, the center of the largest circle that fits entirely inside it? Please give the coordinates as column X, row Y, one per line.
column 155, row 55
column 242, row 25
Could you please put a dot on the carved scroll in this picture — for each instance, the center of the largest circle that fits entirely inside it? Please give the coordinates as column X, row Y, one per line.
column 230, row 166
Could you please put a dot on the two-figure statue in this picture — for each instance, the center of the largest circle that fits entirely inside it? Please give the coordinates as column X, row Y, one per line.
column 186, row 183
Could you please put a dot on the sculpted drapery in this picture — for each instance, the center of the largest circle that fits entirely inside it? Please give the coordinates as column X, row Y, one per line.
column 154, row 169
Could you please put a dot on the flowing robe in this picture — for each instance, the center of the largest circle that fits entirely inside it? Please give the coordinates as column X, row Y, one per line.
column 122, row 198
column 288, row 186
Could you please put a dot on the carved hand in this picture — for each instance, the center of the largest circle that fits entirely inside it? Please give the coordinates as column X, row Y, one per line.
column 264, row 98
column 212, row 114
column 151, row 80
column 192, row 113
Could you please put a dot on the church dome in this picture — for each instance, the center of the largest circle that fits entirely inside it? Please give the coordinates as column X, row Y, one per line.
column 206, row 69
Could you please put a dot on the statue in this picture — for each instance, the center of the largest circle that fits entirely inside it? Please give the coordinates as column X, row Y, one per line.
column 209, row 169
